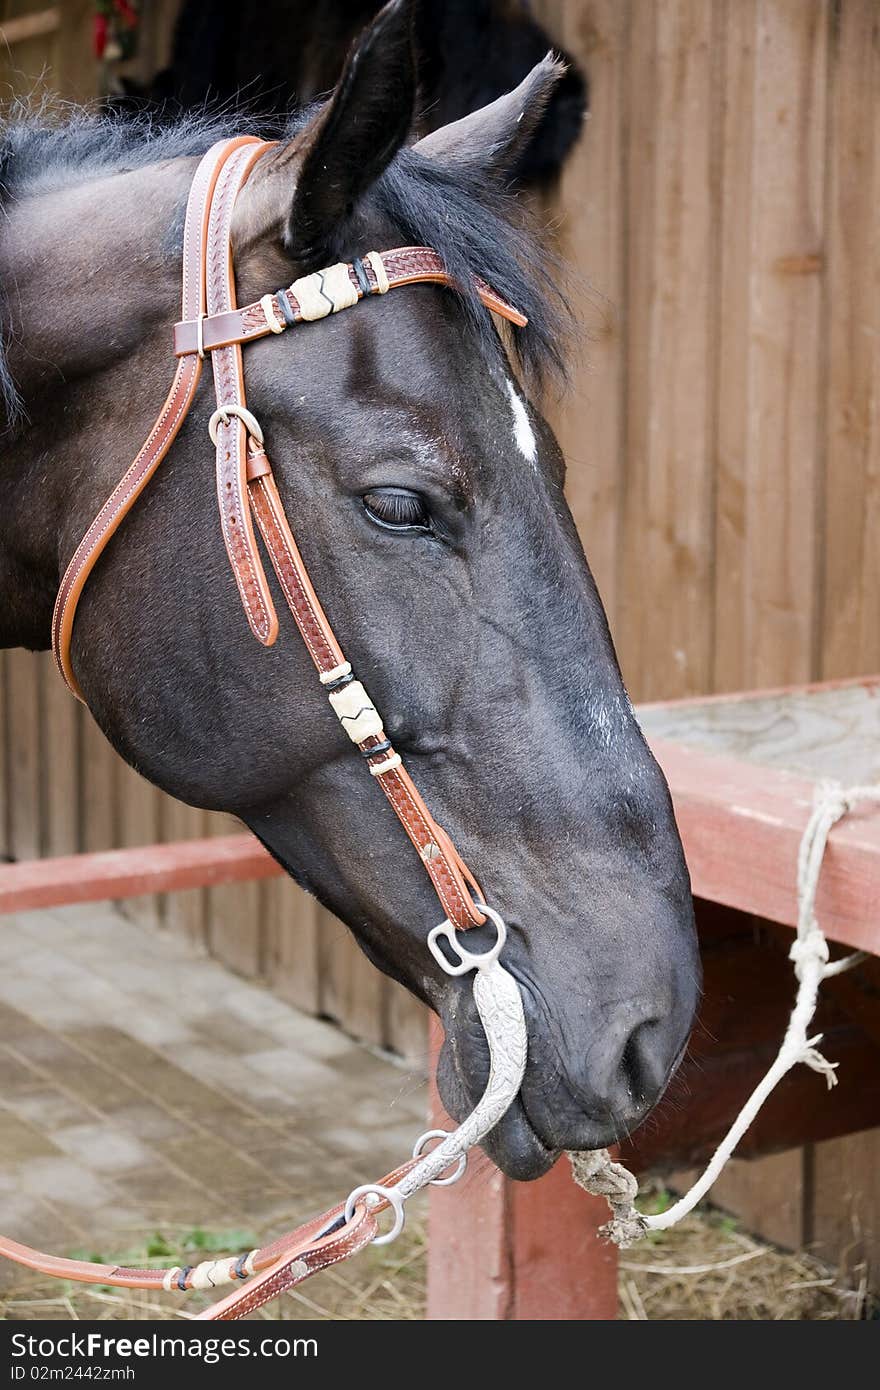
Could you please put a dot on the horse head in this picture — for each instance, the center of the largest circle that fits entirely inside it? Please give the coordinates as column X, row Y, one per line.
column 425, row 490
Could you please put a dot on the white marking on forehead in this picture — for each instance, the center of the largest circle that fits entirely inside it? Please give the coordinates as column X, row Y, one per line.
column 522, row 425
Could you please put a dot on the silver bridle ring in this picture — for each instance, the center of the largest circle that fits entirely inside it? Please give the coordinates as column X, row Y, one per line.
column 466, row 960
column 224, row 413
column 460, row 1166
column 391, row 1196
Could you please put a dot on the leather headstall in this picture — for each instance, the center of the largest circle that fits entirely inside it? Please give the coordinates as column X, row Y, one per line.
column 248, row 498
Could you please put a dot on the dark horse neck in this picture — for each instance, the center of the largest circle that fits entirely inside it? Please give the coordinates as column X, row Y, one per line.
column 89, row 351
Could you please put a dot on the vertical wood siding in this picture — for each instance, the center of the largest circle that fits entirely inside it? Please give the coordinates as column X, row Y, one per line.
column 723, row 430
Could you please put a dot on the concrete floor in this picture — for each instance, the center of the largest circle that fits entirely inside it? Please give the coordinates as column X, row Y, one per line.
column 144, row 1088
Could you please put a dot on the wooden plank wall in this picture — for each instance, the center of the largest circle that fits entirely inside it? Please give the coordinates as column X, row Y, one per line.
column 722, row 431
column 46, row 49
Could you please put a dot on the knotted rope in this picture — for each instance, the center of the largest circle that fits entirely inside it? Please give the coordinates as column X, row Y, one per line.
column 599, row 1175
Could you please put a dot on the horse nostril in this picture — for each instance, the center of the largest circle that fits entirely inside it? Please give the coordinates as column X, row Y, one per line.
column 631, row 1064
column 641, row 1078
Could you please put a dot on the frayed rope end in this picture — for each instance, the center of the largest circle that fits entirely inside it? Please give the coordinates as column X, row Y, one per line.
column 596, row 1172
column 812, row 1058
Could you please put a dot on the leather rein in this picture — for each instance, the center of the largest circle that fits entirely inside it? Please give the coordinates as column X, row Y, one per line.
column 249, row 502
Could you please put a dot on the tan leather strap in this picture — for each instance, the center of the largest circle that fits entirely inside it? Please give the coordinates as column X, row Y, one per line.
column 114, row 511
column 269, row 1269
column 234, row 491
column 449, row 875
column 295, row 1267
column 405, row 265
column 231, row 435
column 168, row 423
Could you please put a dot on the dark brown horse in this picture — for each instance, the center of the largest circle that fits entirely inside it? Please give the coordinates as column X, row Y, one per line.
column 426, row 491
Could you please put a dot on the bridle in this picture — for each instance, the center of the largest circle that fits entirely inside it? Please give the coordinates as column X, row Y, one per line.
column 246, row 489
column 212, row 325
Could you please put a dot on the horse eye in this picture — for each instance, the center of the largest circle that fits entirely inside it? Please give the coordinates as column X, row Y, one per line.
column 397, row 509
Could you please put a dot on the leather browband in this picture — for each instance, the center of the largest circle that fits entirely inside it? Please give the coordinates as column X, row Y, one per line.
column 406, row 265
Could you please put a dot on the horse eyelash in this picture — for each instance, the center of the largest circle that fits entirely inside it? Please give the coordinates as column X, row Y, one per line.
column 396, row 507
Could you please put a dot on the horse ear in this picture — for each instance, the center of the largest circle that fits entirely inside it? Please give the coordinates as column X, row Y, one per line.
column 351, row 141
column 496, row 138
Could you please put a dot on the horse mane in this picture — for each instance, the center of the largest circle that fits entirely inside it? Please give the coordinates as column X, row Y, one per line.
column 477, row 228
column 50, row 144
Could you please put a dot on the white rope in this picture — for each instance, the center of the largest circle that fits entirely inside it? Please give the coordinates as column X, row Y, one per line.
column 596, row 1172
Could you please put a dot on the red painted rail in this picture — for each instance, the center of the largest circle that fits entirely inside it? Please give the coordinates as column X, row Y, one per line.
column 127, row 873
column 741, row 825
column 731, row 814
